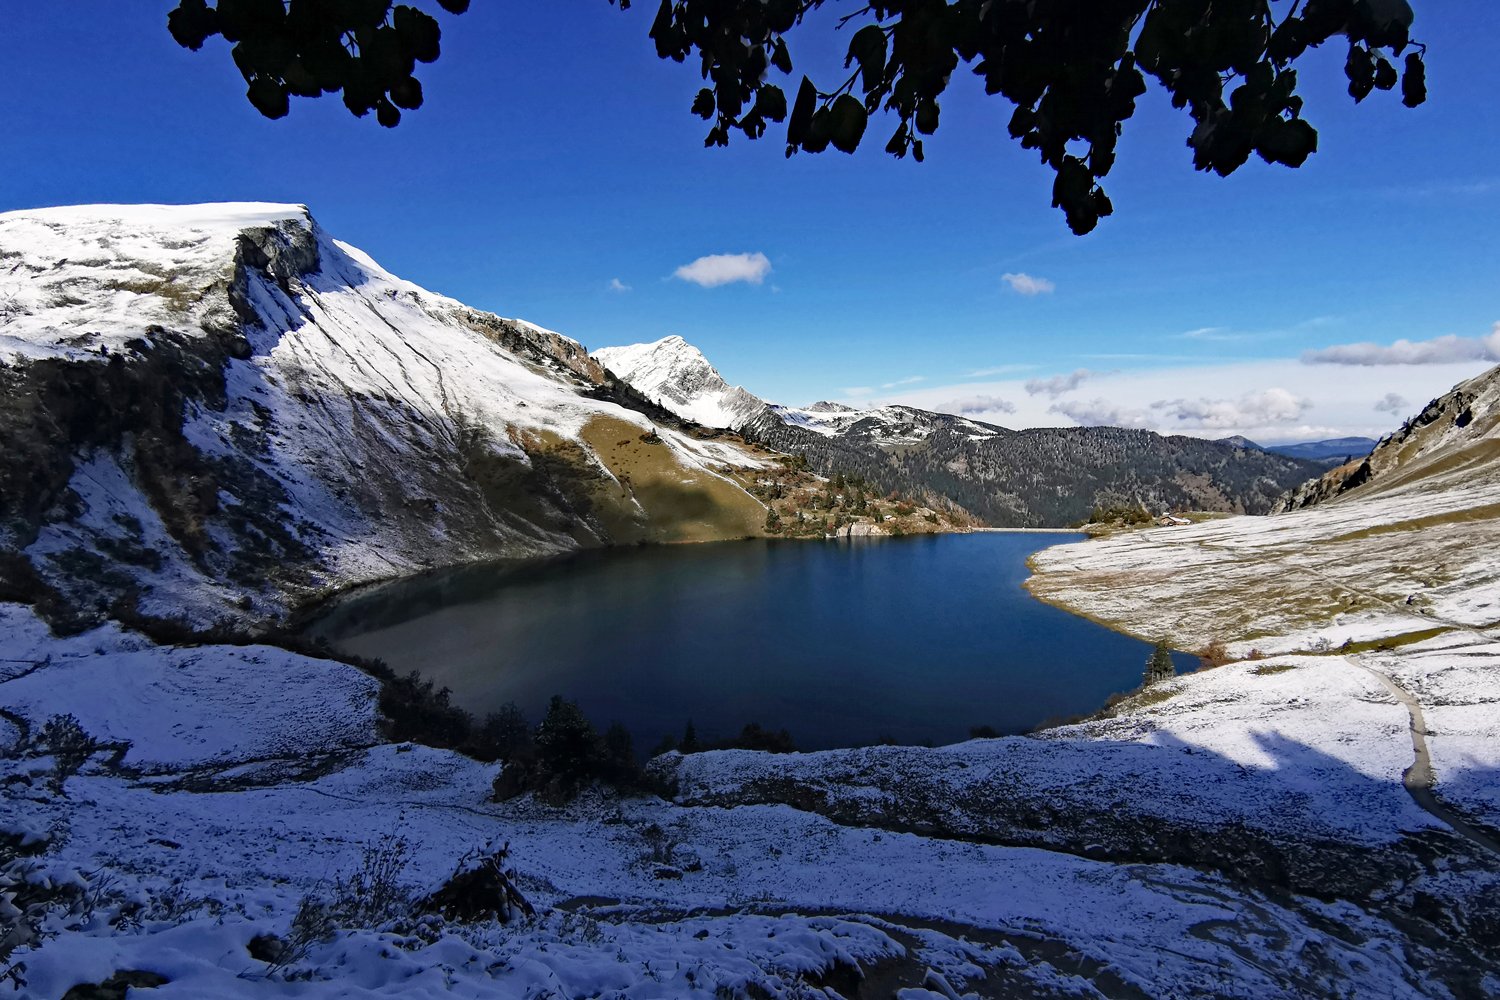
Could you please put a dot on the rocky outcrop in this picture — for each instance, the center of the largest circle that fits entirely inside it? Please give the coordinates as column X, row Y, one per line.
column 1461, row 428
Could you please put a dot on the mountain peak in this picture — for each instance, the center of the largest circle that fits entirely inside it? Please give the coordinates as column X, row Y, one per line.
column 675, row 374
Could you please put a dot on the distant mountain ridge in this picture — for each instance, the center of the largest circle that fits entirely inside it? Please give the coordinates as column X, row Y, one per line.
column 1040, row 477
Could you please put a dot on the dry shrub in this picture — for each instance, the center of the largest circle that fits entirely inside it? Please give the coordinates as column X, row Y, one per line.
column 480, row 888
column 1215, row 654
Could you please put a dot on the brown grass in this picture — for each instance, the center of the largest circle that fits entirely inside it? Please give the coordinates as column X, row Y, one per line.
column 179, row 297
column 1485, row 513
column 681, row 504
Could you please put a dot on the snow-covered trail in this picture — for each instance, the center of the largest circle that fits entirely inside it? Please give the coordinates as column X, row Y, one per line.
column 1420, row 779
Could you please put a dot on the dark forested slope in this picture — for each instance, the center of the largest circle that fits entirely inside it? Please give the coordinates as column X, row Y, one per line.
column 1045, row 476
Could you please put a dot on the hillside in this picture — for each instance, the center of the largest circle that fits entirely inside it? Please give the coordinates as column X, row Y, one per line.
column 218, row 413
column 1041, row 477
column 1453, row 444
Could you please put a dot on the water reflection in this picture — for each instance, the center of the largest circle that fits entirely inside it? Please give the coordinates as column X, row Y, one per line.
column 842, row 643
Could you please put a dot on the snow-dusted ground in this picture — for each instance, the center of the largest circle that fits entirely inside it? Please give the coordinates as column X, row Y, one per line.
column 652, row 899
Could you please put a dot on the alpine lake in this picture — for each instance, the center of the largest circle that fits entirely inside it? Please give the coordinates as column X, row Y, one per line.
column 843, row 643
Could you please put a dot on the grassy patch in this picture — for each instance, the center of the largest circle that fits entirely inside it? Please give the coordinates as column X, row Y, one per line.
column 1391, row 642
column 1275, row 668
column 1486, row 513
column 179, row 297
column 681, row 504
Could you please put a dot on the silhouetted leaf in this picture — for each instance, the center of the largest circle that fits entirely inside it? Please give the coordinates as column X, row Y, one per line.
column 269, row 97
column 1414, row 82
column 407, row 94
column 802, row 114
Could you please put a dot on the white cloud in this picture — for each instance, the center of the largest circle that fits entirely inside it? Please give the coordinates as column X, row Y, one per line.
column 616, row 285
column 1026, row 284
column 1102, row 413
column 859, row 390
column 1058, row 384
column 976, row 404
column 1438, row 351
column 903, row 381
column 1216, row 333
column 997, row 370
column 1340, row 407
column 1392, row 403
column 725, row 268
column 1267, row 408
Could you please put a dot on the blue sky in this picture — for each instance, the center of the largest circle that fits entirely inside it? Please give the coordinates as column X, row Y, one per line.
column 556, row 156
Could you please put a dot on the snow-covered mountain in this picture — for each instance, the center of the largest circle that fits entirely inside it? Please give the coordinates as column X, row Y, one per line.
column 220, row 412
column 674, row 374
column 887, row 426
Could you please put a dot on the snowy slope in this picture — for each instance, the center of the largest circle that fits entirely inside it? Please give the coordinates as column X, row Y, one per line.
column 1402, row 572
column 882, row 426
column 676, row 375
column 220, row 412
column 173, row 858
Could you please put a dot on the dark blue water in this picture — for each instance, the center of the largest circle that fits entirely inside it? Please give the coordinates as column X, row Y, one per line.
column 842, row 643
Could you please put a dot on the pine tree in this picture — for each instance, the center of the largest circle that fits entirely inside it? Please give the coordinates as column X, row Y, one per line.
column 690, row 742
column 1160, row 666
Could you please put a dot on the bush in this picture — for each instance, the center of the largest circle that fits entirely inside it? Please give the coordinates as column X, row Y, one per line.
column 566, row 754
column 1120, row 513
column 752, row 737
column 1215, row 654
column 503, row 734
column 983, row 733
column 480, row 888
column 416, row 712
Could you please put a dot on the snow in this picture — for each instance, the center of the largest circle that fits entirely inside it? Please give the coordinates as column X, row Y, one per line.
column 762, row 894
column 82, row 271
column 676, row 375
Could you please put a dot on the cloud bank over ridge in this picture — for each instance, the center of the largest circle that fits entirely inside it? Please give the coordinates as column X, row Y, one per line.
column 1437, row 351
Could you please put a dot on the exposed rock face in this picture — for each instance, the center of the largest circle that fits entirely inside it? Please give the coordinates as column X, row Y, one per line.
column 220, row 412
column 1457, row 433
